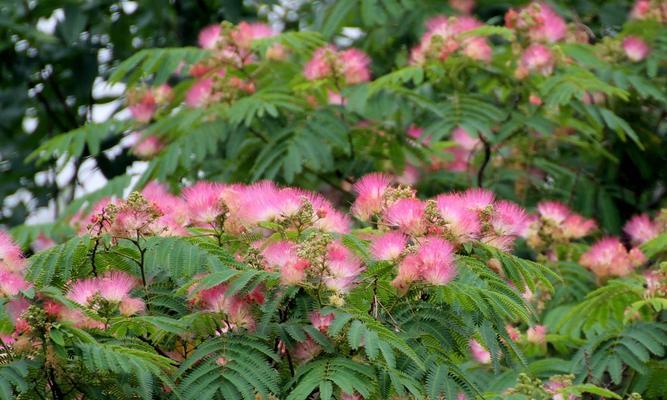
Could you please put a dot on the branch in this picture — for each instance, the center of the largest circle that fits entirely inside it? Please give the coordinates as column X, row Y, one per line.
column 485, row 162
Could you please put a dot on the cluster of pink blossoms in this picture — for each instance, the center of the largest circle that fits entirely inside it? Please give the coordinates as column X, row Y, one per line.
column 543, row 27
column 104, row 294
column 655, row 10
column 461, row 153
column 641, row 228
column 609, row 257
column 422, row 236
column 12, row 266
column 555, row 222
column 347, row 67
column 144, row 102
column 444, row 36
column 236, row 309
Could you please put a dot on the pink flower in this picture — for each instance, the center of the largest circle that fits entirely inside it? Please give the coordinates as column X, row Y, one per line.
column 641, row 9
column 553, row 211
column 245, row 33
column 370, row 191
column 536, row 58
column 540, row 21
column 575, row 226
column 462, row 223
column 407, row 215
column 436, row 257
column 146, row 147
column 356, row 66
column 143, row 108
column 203, row 201
column 478, row 48
column 306, row 350
column 388, row 246
column 11, row 283
column 327, row 217
column 294, row 273
column 321, row 322
column 608, row 257
column 11, row 258
column 83, row 290
column 116, row 285
column 209, row 36
column 279, row 254
column 131, row 306
column 354, row 396
column 641, row 229
column 512, row 332
column 462, row 6
column 477, row 199
column 409, row 270
column 199, row 93
column 41, row 243
column 343, row 268
column 168, row 204
column 635, row 48
column 536, row 334
column 508, row 219
column 479, row 353
column 320, row 64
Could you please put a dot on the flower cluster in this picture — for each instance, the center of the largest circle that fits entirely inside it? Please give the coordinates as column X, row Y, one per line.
column 641, row 228
column 655, row 10
column 12, row 266
column 144, row 102
column 347, row 67
column 556, row 223
column 104, row 295
column 609, row 257
column 445, row 35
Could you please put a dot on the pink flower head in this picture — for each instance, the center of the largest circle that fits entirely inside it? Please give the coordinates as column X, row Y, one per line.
column 552, row 27
column 478, row 48
column 321, row 322
column 512, row 332
column 209, row 36
column 388, row 246
column 409, row 177
column 264, row 201
column 479, row 353
column 306, row 350
column 116, row 285
column 370, row 191
column 575, row 226
column 11, row 283
column 477, row 199
column 356, row 66
column 327, row 217
column 436, row 258
column 203, row 201
column 343, row 268
column 608, row 257
column 536, row 58
column 245, row 33
column 41, row 243
column 641, row 9
column 508, row 219
column 463, row 223
column 465, row 140
column 320, row 65
column 167, row 203
column 415, row 132
column 536, row 334
column 146, row 147
column 199, row 93
column 635, row 48
column 407, row 215
column 641, row 229
column 131, row 305
column 11, row 258
column 281, row 256
column 409, row 270
column 143, row 107
column 462, row 6
column 553, row 211
column 82, row 291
